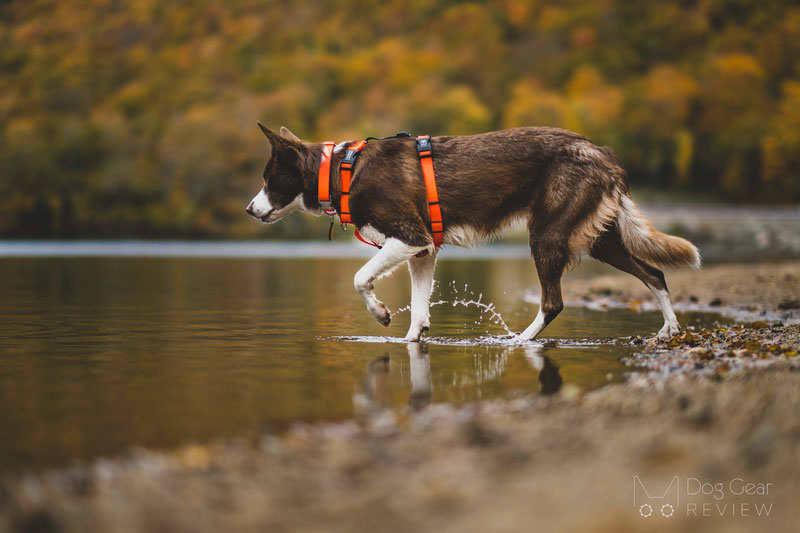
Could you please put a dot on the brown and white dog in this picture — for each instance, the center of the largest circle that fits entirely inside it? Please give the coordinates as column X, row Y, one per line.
column 572, row 194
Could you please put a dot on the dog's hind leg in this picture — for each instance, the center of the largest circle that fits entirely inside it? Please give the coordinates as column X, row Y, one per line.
column 421, row 269
column 393, row 253
column 551, row 258
column 609, row 248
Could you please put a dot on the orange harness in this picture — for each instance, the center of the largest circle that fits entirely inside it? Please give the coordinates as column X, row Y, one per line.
column 435, row 210
column 346, row 172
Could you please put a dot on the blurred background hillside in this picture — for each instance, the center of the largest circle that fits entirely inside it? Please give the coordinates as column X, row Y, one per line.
column 136, row 118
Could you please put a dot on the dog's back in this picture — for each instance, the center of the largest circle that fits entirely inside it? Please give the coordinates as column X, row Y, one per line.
column 556, row 180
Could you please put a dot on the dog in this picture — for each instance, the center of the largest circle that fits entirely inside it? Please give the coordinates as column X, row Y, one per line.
column 572, row 194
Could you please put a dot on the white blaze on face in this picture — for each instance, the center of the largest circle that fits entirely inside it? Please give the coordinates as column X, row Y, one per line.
column 260, row 206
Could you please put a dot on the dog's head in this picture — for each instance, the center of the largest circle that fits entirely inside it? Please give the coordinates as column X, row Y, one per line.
column 284, row 181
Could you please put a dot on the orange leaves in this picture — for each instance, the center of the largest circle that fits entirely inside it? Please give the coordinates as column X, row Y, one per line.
column 533, row 104
column 671, row 91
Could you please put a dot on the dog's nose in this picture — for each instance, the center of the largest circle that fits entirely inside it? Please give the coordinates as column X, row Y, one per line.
column 249, row 208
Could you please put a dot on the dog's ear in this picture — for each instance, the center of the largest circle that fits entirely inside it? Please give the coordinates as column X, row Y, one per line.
column 286, row 134
column 272, row 139
column 271, row 135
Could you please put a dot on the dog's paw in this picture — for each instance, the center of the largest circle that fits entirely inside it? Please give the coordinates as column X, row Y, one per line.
column 382, row 314
column 416, row 330
column 415, row 333
column 668, row 331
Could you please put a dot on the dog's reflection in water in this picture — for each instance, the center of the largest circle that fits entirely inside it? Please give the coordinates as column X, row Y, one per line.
column 421, row 388
column 377, row 394
column 549, row 377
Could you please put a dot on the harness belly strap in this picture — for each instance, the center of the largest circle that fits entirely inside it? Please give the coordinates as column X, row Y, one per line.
column 426, row 161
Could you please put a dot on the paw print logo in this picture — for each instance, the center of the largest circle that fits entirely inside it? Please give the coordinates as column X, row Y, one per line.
column 667, row 510
column 645, row 510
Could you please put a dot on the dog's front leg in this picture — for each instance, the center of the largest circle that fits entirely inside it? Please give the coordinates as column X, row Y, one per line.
column 393, row 253
column 421, row 269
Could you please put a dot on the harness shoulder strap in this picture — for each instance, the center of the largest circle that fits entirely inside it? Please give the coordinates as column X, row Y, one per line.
column 426, row 161
column 346, row 172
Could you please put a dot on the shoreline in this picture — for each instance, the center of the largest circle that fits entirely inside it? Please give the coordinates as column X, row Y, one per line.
column 709, row 405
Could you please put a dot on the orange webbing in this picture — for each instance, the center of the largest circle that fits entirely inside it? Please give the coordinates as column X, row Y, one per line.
column 346, row 171
column 323, row 187
column 437, row 226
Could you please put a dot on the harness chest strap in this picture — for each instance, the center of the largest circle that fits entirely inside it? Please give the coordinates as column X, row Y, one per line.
column 324, row 181
column 324, row 185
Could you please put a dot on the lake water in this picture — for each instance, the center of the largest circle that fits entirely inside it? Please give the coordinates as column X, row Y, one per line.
column 99, row 354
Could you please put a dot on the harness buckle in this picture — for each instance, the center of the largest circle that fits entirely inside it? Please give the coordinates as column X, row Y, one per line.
column 424, row 146
column 349, row 159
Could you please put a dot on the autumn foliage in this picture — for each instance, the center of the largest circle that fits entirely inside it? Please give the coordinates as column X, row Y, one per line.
column 137, row 118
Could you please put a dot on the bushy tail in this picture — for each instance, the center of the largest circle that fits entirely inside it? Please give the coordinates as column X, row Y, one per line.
column 643, row 241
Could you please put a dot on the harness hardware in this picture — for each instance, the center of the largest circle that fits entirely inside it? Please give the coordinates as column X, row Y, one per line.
column 346, row 167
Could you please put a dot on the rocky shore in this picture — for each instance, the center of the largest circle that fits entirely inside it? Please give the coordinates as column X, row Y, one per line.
column 715, row 409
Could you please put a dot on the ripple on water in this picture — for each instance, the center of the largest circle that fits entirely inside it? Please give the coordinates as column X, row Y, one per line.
column 484, row 340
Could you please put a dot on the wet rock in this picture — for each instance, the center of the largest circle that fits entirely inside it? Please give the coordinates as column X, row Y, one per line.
column 636, row 340
column 601, row 291
column 477, row 434
column 701, row 353
column 789, row 304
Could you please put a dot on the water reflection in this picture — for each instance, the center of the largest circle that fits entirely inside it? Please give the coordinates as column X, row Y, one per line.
column 98, row 355
column 377, row 394
column 376, row 391
column 549, row 376
column 421, row 388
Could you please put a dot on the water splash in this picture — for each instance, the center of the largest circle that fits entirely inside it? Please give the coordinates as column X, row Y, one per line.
column 467, row 300
column 485, row 340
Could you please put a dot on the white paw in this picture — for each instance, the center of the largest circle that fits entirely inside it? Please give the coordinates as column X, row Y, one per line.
column 415, row 331
column 668, row 331
column 381, row 313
